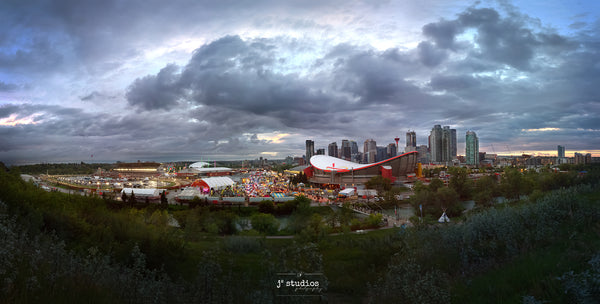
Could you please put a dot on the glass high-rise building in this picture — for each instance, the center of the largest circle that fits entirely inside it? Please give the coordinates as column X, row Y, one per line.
column 442, row 144
column 472, row 149
column 411, row 139
column 310, row 149
column 561, row 152
column 370, row 151
column 346, row 152
column 332, row 149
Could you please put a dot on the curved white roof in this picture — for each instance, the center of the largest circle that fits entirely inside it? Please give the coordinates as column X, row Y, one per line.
column 330, row 163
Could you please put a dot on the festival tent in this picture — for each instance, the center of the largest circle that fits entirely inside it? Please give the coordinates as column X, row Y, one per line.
column 141, row 192
column 189, row 194
column 216, row 183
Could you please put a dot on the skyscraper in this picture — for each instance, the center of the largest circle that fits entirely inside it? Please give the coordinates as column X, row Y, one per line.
column 411, row 141
column 310, row 149
column 435, row 143
column 561, row 152
column 446, row 144
column 381, row 154
column 354, row 151
column 452, row 144
column 472, row 149
column 346, row 152
column 332, row 149
column 370, row 151
column 442, row 144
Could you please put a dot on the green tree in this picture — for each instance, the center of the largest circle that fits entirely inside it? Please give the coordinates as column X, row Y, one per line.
column 265, row 223
column 435, row 184
column 315, row 229
column 447, row 199
column 374, row 220
column 485, row 189
column 460, row 182
column 512, row 182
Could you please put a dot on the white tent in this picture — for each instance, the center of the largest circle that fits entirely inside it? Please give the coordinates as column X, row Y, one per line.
column 444, row 218
column 141, row 192
column 217, row 183
column 189, row 194
column 347, row 192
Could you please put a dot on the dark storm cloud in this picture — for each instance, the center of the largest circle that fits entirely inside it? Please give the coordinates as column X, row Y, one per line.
column 429, row 55
column 234, row 74
column 243, row 87
column 443, row 32
column 156, row 92
column 500, row 39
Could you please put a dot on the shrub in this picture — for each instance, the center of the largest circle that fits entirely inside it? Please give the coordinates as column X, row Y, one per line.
column 265, row 223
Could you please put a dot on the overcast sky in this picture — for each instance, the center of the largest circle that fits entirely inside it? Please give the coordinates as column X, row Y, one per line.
column 211, row 80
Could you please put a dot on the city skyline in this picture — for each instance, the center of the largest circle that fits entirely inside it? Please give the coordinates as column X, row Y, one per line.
column 186, row 80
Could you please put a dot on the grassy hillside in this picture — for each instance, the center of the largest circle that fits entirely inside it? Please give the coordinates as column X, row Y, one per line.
column 60, row 248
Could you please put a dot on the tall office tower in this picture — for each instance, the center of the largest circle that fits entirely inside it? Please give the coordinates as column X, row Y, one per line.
column 354, row 147
column 381, row 154
column 332, row 149
column 411, row 139
column 391, row 150
column 411, row 142
column 452, row 144
column 472, row 149
column 354, row 154
column 321, row 151
column 370, row 151
column 435, row 143
column 310, row 149
column 561, row 152
column 446, row 144
column 346, row 152
column 442, row 144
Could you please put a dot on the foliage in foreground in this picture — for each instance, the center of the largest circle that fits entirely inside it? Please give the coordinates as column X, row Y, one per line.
column 484, row 240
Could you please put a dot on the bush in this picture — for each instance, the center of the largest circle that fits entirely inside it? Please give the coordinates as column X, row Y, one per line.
column 265, row 223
